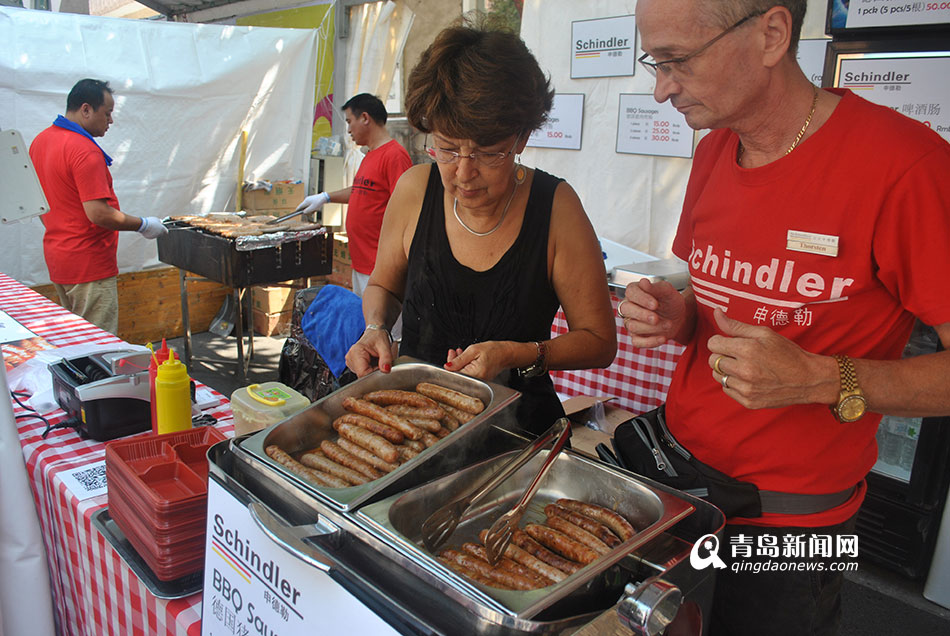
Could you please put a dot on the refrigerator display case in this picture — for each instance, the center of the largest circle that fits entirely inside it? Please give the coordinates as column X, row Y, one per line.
column 900, row 519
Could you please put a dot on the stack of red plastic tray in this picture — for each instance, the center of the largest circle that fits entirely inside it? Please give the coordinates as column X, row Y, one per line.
column 158, row 497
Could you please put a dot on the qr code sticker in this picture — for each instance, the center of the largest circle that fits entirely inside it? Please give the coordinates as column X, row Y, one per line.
column 92, row 478
column 87, row 481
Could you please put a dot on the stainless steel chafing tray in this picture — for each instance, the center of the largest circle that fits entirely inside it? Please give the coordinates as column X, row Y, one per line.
column 397, row 521
column 305, row 431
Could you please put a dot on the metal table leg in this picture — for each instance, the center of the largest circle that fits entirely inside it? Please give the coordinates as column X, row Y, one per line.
column 185, row 321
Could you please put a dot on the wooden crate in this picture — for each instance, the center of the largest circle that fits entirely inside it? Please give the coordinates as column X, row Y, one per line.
column 150, row 305
column 275, row 324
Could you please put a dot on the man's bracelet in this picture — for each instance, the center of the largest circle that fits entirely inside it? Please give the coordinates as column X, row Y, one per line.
column 380, row 328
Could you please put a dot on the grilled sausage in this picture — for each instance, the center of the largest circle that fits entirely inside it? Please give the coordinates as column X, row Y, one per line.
column 470, row 574
column 274, row 452
column 578, row 534
column 340, row 456
column 507, row 564
column 451, row 422
column 620, row 526
column 594, row 527
column 370, row 441
column 414, row 444
column 536, row 565
column 361, row 453
column 526, row 543
column 378, row 413
column 327, row 465
column 484, row 568
column 561, row 543
column 425, row 423
column 371, row 425
column 402, row 398
column 455, row 399
column 429, row 439
column 430, row 413
column 406, row 453
column 442, row 432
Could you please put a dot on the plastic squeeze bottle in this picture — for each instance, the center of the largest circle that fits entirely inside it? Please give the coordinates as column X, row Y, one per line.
column 161, row 354
column 172, row 396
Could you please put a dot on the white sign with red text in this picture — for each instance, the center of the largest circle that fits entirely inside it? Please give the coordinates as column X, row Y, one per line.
column 889, row 13
column 913, row 84
column 563, row 127
column 645, row 127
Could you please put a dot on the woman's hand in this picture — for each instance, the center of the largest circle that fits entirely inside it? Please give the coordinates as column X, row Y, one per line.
column 373, row 350
column 484, row 360
column 653, row 313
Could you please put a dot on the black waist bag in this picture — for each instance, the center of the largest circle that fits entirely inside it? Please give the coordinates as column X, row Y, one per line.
column 645, row 446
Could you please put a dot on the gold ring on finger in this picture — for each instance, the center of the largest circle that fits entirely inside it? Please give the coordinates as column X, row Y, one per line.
column 716, row 365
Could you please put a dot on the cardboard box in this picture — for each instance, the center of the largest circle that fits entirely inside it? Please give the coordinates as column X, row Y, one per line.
column 275, row 324
column 342, row 274
column 283, row 196
column 583, row 408
column 341, row 249
column 272, row 299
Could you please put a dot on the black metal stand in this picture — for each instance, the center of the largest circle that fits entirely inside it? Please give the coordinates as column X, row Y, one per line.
column 243, row 362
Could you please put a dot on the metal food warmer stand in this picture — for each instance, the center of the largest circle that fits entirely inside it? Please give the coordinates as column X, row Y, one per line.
column 284, row 556
column 240, row 263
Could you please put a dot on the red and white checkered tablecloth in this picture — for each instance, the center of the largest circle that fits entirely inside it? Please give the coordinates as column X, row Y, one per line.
column 94, row 591
column 638, row 379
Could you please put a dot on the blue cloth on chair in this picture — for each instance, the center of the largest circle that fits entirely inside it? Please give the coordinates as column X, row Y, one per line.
column 332, row 323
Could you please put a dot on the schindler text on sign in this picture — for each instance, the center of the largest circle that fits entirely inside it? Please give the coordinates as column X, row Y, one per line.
column 604, row 47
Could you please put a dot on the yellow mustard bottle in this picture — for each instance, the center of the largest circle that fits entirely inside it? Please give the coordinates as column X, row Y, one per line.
column 172, row 396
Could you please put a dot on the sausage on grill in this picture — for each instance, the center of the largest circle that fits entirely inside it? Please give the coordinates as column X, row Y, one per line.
column 593, row 526
column 561, row 543
column 370, row 441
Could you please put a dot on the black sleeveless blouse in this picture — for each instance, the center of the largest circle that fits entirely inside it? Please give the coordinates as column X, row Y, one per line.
column 448, row 305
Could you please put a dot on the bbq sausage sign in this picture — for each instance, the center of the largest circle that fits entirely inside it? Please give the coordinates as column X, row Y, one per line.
column 604, row 47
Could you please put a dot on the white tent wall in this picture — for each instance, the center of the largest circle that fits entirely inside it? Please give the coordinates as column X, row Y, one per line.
column 184, row 92
column 632, row 199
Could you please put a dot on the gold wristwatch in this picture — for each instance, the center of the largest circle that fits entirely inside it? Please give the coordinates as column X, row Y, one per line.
column 851, row 404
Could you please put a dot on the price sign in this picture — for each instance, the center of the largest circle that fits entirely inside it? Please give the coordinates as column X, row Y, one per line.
column 563, row 128
column 913, row 84
column 647, row 128
column 891, row 13
column 811, row 58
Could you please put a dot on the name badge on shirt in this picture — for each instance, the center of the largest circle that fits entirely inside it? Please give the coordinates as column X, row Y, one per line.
column 812, row 243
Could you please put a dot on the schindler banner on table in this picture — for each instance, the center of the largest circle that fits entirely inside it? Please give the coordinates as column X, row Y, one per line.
column 563, row 127
column 604, row 47
column 645, row 127
column 914, row 84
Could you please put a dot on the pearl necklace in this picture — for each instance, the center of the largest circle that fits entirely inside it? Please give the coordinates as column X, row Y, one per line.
column 798, row 137
column 504, row 213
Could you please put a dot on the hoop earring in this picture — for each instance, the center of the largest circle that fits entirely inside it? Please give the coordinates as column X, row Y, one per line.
column 521, row 173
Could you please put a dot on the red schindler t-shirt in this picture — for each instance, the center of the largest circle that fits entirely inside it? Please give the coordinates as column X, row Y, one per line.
column 875, row 182
column 372, row 187
column 71, row 170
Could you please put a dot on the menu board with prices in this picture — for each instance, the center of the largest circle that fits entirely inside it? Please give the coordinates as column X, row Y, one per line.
column 563, row 127
column 645, row 127
column 860, row 14
column 913, row 84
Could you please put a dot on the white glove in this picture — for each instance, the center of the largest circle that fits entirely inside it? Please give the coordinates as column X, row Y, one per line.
column 313, row 203
column 152, row 227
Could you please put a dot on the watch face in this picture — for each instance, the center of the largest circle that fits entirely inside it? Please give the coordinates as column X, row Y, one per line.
column 851, row 408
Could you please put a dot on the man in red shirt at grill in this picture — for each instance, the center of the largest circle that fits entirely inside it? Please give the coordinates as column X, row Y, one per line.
column 84, row 218
column 374, row 182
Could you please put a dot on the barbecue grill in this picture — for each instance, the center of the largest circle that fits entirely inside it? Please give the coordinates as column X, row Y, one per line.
column 240, row 263
column 368, row 544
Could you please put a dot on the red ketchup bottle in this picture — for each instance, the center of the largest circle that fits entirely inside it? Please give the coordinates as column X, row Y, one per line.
column 160, row 355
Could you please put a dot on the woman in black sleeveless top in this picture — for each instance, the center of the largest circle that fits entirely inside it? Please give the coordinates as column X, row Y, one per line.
column 478, row 251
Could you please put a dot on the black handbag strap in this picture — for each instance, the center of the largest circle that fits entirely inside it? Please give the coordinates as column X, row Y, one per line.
column 788, row 503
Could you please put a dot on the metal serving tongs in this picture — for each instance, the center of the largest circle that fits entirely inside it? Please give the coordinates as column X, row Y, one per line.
column 500, row 533
column 440, row 525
